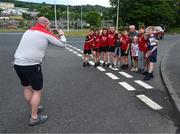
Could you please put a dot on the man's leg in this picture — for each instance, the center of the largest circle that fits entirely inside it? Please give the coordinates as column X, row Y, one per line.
column 35, row 102
column 28, row 92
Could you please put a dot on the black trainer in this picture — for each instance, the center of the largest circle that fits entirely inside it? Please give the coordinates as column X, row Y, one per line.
column 84, row 64
column 98, row 64
column 88, row 64
column 108, row 64
column 113, row 65
column 41, row 119
column 95, row 65
column 104, row 64
column 148, row 76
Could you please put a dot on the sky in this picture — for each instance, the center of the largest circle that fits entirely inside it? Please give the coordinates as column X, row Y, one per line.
column 74, row 2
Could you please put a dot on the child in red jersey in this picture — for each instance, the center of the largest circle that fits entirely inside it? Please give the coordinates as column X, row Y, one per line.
column 142, row 49
column 97, row 41
column 111, row 44
column 125, row 43
column 103, row 46
column 87, row 47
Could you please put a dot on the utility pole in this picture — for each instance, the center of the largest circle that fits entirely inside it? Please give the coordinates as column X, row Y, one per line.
column 55, row 14
column 67, row 15
column 117, row 20
column 81, row 17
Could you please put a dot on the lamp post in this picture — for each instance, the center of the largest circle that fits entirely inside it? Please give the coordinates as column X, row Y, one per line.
column 117, row 20
column 67, row 15
column 55, row 14
column 81, row 17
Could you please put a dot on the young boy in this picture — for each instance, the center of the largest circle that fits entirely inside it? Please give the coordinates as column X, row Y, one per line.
column 142, row 49
column 96, row 47
column 87, row 47
column 111, row 44
column 125, row 43
column 152, row 53
column 117, row 51
column 103, row 46
column 134, row 53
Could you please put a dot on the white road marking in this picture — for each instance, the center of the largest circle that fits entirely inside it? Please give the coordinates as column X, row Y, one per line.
column 126, row 74
column 79, row 49
column 149, row 102
column 143, row 84
column 80, row 55
column 74, row 52
column 115, row 69
column 91, row 62
column 112, row 76
column 127, row 86
column 70, row 50
column 101, row 69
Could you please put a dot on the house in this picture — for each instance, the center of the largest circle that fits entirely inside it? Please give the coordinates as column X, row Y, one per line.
column 5, row 5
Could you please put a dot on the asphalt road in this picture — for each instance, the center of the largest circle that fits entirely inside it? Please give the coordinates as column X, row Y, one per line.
column 81, row 99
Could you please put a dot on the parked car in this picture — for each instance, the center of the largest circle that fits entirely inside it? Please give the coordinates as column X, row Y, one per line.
column 158, row 31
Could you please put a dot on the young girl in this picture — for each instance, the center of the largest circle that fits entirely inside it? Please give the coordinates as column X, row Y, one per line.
column 117, row 51
column 125, row 43
column 103, row 46
column 87, row 47
column 96, row 48
column 152, row 53
column 111, row 44
column 134, row 53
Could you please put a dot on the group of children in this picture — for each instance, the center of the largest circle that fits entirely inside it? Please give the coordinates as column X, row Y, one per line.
column 136, row 51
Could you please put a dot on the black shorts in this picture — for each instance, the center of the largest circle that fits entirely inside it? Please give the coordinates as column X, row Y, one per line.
column 96, row 49
column 87, row 51
column 111, row 49
column 30, row 76
column 153, row 58
column 123, row 53
column 103, row 49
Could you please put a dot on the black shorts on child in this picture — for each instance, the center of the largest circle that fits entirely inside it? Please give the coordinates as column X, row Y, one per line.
column 87, row 51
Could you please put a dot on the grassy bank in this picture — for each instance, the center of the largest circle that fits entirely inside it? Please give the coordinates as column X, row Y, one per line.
column 174, row 30
column 70, row 33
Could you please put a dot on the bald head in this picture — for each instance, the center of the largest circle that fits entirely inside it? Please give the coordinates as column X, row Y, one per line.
column 44, row 21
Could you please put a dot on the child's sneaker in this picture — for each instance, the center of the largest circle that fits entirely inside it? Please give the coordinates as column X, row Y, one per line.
column 95, row 65
column 108, row 64
column 88, row 64
column 132, row 69
column 104, row 64
column 136, row 69
column 84, row 64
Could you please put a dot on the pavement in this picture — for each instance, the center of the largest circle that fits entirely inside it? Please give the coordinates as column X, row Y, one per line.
column 170, row 72
column 86, row 100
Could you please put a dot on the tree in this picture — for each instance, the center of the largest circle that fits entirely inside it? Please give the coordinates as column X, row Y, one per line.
column 149, row 12
column 94, row 19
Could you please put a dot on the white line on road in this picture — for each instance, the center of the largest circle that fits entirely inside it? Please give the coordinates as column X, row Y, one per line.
column 149, row 102
column 74, row 52
column 80, row 55
column 115, row 69
column 126, row 74
column 127, row 86
column 143, row 84
column 112, row 76
column 70, row 50
column 101, row 69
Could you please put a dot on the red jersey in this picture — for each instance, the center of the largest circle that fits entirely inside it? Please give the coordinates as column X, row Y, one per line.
column 104, row 39
column 124, row 42
column 97, row 39
column 111, row 39
column 89, row 42
column 142, row 43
